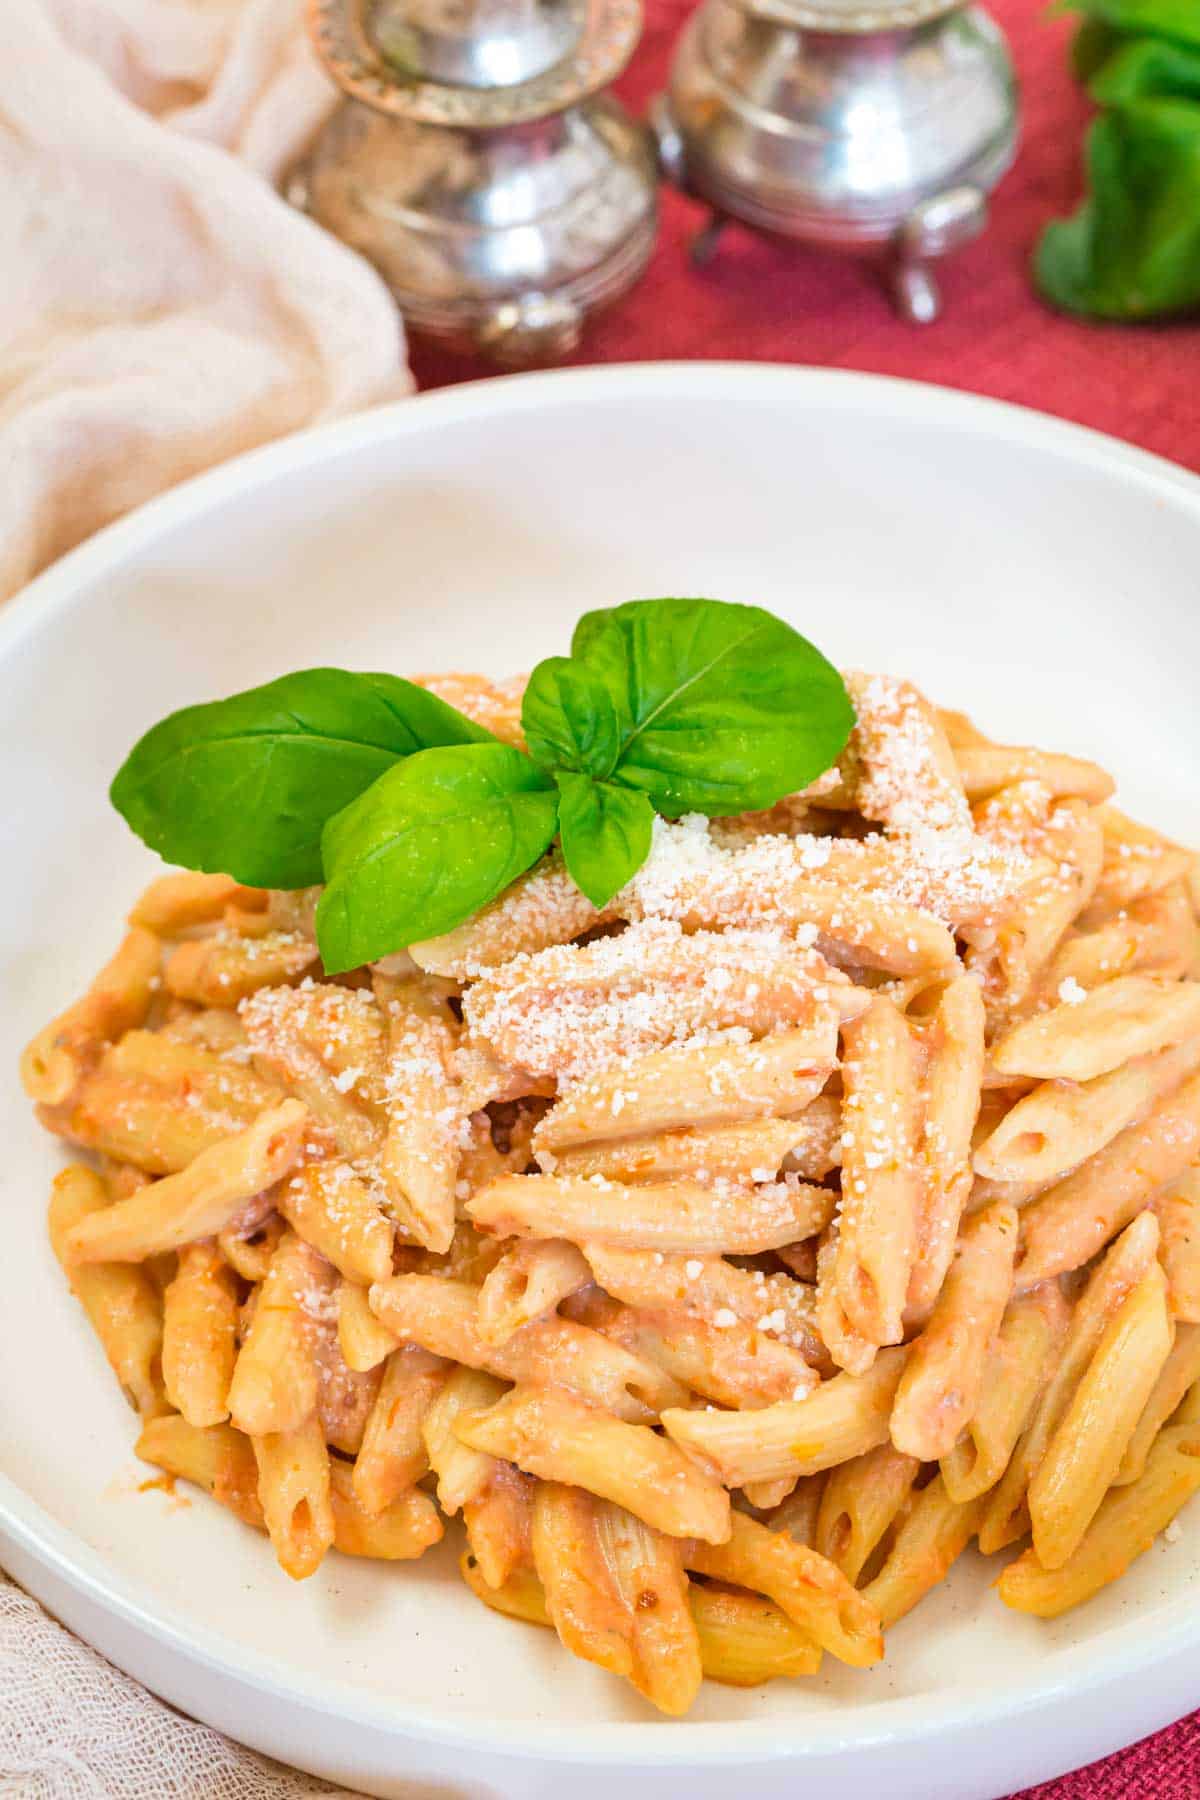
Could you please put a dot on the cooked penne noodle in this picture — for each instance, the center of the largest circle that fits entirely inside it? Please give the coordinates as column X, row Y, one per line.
column 952, row 1041
column 944, row 1376
column 860, row 1502
column 1131, row 1016
column 812, row 1592
column 198, row 1201
column 840, row 1419
column 403, row 1531
column 541, row 908
column 808, row 1145
column 1177, row 1208
column 462, row 1474
column 548, row 1433
column 729, row 1363
column 294, row 1490
column 986, row 768
column 1084, row 1455
column 616, row 1593
column 326, row 1044
column 797, row 1513
column 1030, row 1333
column 119, row 999
column 499, row 1524
column 328, row 1205
column 1061, row 1124
column 744, row 1638
column 443, row 1316
column 712, row 1289
column 123, row 1305
column 529, row 1281
column 200, row 1311
column 365, row 1341
column 1178, row 1375
column 1072, row 1221
column 1006, row 1517
column 1137, row 861
column 426, row 1115
column 174, row 903
column 228, row 968
column 878, row 1216
column 678, row 1218
column 393, row 1455
column 1126, row 1524
column 716, row 1084
column 274, row 1387
column 848, row 1347
column 930, row 1539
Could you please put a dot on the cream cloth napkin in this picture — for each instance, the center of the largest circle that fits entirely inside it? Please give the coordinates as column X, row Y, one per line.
column 161, row 308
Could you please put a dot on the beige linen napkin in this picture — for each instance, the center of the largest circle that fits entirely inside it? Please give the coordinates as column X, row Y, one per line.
column 161, row 308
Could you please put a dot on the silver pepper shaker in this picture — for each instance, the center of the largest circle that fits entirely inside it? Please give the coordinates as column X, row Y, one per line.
column 865, row 128
column 478, row 164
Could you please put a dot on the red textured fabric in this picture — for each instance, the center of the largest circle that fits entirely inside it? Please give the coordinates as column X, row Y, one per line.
column 772, row 302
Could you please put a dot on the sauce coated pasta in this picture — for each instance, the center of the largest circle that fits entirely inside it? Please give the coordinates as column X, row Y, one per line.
column 726, row 1258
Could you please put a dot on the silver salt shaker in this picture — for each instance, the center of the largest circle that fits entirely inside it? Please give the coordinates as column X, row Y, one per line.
column 863, row 128
column 477, row 162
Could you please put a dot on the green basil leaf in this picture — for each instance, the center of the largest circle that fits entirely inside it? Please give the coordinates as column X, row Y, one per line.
column 1152, row 18
column 569, row 719
column 606, row 833
column 434, row 839
column 722, row 708
column 244, row 785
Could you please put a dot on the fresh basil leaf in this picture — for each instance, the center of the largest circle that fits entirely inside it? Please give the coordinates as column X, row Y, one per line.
column 244, row 785
column 434, row 839
column 722, row 708
column 606, row 833
column 569, row 719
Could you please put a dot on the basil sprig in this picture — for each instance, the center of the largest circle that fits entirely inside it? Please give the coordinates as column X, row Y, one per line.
column 416, row 817
column 244, row 786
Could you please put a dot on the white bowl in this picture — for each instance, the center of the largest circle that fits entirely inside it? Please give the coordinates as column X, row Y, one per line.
column 1039, row 576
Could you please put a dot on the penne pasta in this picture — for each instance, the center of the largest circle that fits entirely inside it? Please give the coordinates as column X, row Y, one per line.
column 200, row 1309
column 274, row 1388
column 227, row 968
column 1006, row 1516
column 842, row 1418
column 682, row 1217
column 443, row 1316
column 812, row 1592
column 1179, row 1374
column 878, row 1216
column 1084, row 1455
column 529, row 1281
column 1019, row 1363
column 462, row 1474
column 334, row 1211
column 549, row 1433
column 365, row 1341
column 175, row 903
column 199, row 1200
column 928, row 1542
column 716, row 1084
column 122, row 1304
column 294, row 1492
column 1067, row 1225
column 1177, row 1208
column 808, row 1145
column 860, row 1502
column 393, row 1455
column 1131, row 1016
column 1124, row 1527
column 943, row 1379
column 55, row 1062
column 952, row 1043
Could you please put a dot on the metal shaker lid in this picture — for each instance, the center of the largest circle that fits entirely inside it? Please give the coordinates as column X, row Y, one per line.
column 852, row 17
column 473, row 64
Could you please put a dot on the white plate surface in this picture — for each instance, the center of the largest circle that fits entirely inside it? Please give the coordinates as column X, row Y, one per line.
column 1039, row 576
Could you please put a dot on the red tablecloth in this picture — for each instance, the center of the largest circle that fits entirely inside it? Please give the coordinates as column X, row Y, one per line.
column 776, row 303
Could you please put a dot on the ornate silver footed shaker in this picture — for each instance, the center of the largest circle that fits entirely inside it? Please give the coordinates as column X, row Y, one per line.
column 877, row 128
column 478, row 164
